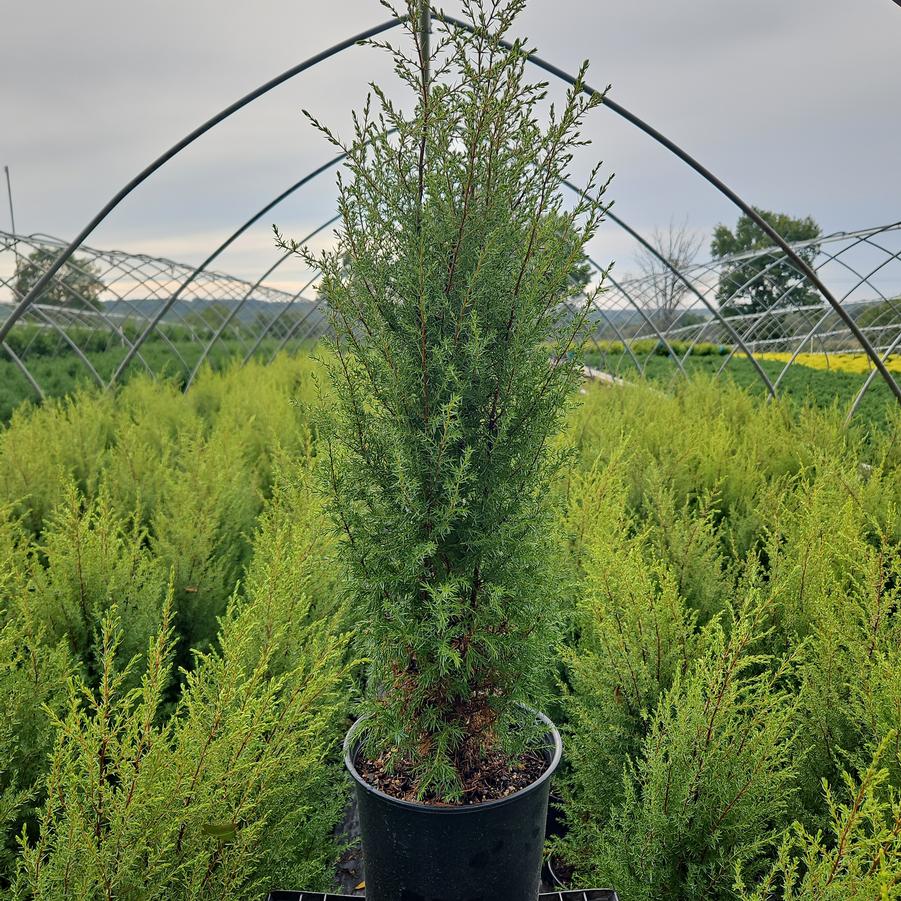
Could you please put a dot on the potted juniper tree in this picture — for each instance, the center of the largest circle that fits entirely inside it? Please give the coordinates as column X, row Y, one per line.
column 451, row 299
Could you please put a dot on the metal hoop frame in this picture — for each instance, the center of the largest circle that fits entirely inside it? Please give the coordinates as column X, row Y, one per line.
column 199, row 284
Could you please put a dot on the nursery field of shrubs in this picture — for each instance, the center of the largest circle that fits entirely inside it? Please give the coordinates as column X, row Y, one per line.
column 59, row 371
column 175, row 679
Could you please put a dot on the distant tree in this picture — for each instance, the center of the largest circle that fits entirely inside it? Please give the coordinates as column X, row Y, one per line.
column 884, row 314
column 679, row 246
column 205, row 317
column 764, row 281
column 694, row 318
column 77, row 284
column 260, row 321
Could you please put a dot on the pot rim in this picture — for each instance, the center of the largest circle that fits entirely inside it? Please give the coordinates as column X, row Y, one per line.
column 351, row 745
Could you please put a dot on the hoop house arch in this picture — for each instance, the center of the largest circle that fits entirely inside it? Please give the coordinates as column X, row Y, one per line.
column 157, row 298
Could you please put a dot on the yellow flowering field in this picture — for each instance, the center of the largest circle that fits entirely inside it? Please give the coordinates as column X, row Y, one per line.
column 859, row 362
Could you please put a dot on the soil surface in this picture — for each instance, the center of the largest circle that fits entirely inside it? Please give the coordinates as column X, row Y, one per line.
column 495, row 777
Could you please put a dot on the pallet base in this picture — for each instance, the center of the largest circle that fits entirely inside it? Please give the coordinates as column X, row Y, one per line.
column 589, row 894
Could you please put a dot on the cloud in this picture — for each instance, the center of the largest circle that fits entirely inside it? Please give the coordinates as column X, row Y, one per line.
column 794, row 104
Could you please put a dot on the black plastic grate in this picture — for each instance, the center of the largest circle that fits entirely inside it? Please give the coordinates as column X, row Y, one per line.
column 588, row 894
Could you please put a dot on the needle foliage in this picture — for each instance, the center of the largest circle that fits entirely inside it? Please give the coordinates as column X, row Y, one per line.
column 451, row 377
column 730, row 674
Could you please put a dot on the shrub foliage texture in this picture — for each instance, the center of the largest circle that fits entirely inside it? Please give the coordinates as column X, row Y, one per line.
column 729, row 676
column 166, row 731
column 451, row 376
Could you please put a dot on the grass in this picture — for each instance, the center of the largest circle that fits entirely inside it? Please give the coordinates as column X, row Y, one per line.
column 827, row 389
column 806, row 381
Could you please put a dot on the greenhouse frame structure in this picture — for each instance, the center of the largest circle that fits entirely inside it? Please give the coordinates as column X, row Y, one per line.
column 193, row 315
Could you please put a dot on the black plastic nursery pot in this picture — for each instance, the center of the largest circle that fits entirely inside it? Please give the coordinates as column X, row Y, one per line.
column 479, row 852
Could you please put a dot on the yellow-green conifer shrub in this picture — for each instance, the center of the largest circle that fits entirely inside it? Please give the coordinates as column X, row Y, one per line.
column 45, row 448
column 33, row 672
column 206, row 510
column 267, row 405
column 712, row 785
column 687, row 538
column 232, row 795
column 150, row 418
column 833, row 576
column 710, row 440
column 14, row 545
column 33, row 676
column 857, row 857
column 817, row 543
column 634, row 636
column 293, row 570
column 89, row 559
column 129, row 438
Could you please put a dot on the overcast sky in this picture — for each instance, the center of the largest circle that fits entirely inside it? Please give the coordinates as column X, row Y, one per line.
column 794, row 103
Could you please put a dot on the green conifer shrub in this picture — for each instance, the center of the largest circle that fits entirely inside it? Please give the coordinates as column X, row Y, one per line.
column 450, row 375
